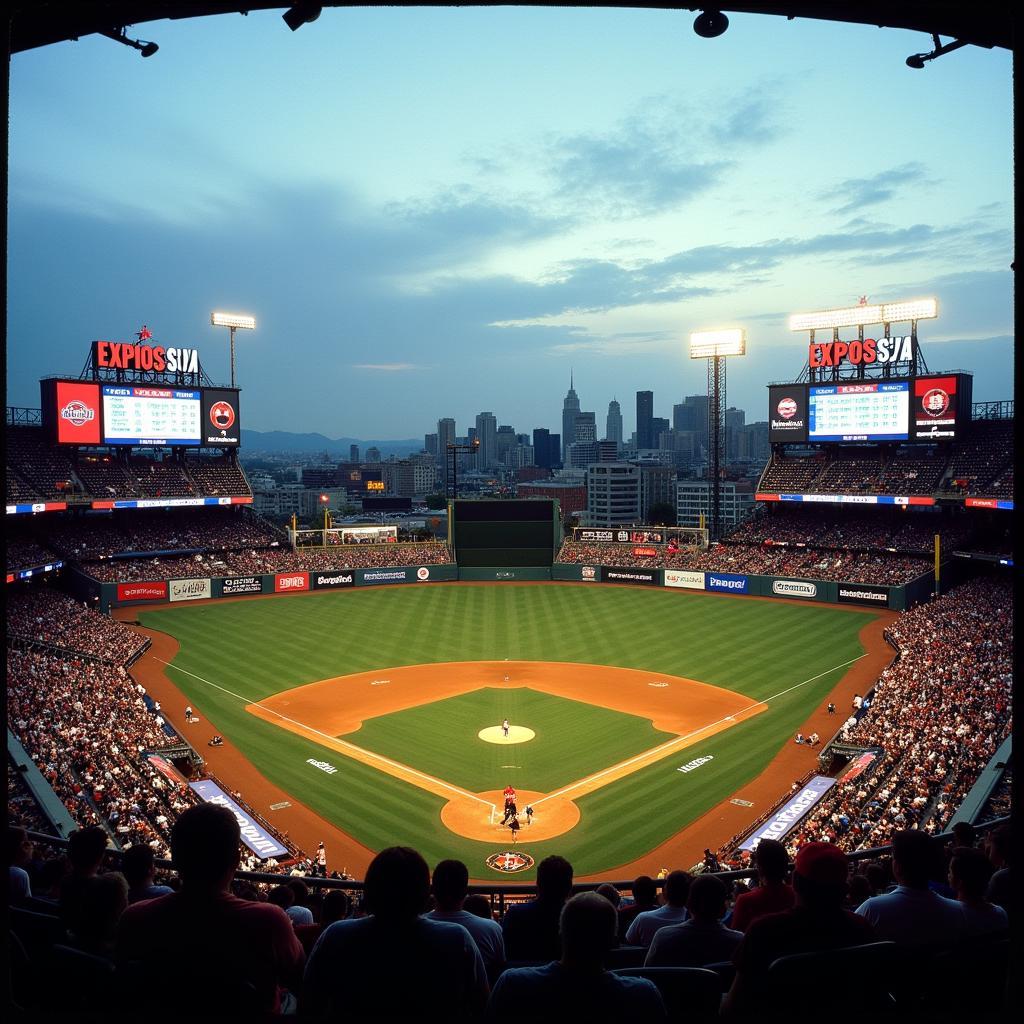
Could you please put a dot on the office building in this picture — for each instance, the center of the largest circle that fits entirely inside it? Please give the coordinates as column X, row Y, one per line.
column 693, row 497
column 613, row 494
column 486, row 434
column 570, row 407
column 644, row 420
column 613, row 425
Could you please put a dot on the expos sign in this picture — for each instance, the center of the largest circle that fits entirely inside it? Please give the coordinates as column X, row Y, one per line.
column 869, row 352
column 727, row 582
column 118, row 355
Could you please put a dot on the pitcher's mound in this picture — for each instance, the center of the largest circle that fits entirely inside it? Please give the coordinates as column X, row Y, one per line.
column 516, row 734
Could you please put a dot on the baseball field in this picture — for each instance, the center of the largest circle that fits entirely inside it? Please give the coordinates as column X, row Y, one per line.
column 377, row 712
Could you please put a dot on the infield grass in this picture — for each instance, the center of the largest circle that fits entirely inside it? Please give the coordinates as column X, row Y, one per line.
column 233, row 653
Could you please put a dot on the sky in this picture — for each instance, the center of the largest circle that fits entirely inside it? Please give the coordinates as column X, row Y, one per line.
column 439, row 211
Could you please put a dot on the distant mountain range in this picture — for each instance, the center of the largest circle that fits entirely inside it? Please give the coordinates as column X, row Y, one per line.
column 284, row 441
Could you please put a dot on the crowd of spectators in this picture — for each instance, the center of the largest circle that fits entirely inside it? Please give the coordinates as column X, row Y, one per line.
column 937, row 715
column 38, row 470
column 43, row 616
column 978, row 462
column 552, row 958
column 269, row 560
column 96, row 537
column 25, row 553
column 878, row 567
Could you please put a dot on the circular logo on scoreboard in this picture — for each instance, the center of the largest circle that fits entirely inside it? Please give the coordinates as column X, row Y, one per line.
column 222, row 415
column 77, row 413
column 935, row 401
column 423, row 573
column 787, row 408
column 509, row 861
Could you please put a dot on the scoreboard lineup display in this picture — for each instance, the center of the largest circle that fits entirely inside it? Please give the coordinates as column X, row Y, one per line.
column 504, row 533
column 933, row 408
column 151, row 415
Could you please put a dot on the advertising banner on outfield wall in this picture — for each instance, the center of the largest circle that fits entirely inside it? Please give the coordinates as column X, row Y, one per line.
column 863, row 593
column 154, row 591
column 684, row 578
column 243, row 585
column 642, row 577
column 795, row 588
column 285, row 582
column 788, row 816
column 188, row 590
column 256, row 838
column 728, row 582
column 375, row 576
column 333, row 580
column 588, row 573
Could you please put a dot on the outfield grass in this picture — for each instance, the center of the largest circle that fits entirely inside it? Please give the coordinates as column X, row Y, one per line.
column 249, row 650
column 573, row 740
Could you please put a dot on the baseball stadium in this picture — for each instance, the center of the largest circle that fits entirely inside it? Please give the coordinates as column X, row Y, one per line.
column 810, row 704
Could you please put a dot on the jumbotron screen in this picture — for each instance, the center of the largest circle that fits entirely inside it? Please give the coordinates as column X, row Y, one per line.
column 150, row 415
column 875, row 411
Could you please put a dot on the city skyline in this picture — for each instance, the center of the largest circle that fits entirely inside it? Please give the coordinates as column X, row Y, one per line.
column 413, row 236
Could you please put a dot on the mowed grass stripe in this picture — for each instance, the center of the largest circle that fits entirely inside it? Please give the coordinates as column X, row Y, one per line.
column 757, row 648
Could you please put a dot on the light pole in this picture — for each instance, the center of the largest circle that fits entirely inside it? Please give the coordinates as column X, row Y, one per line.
column 233, row 321
column 713, row 346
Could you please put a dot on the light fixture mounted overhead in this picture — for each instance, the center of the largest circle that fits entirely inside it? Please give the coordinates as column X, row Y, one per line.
column 300, row 13
column 710, row 24
column 145, row 48
column 918, row 60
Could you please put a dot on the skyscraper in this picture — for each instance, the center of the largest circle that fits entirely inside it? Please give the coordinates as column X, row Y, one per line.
column 613, row 427
column 445, row 437
column 486, row 431
column 353, row 453
column 542, row 453
column 570, row 407
column 584, row 427
column 644, row 419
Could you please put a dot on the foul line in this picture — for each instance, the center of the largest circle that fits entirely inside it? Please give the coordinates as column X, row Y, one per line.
column 334, row 739
column 649, row 754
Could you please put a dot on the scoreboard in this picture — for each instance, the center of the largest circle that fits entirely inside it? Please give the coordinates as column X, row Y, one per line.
column 932, row 408
column 151, row 415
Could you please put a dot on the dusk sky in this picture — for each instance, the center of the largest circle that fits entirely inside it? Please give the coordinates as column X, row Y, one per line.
column 437, row 211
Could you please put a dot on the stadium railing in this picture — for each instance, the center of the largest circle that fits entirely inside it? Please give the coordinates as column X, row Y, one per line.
column 498, row 892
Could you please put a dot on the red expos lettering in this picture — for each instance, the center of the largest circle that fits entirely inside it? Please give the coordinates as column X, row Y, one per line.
column 861, row 353
column 117, row 355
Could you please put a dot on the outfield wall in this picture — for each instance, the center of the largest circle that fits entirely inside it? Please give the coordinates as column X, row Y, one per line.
column 205, row 588
column 505, row 573
column 864, row 595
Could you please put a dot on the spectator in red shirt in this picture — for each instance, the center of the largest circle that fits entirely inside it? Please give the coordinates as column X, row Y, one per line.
column 817, row 922
column 773, row 893
column 206, row 932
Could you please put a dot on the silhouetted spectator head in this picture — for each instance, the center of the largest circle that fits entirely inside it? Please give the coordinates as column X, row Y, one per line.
column 969, row 873
column 645, row 891
column 964, row 834
column 819, row 876
column 300, row 890
column 19, row 847
column 554, row 879
column 138, row 865
column 51, row 874
column 397, row 884
column 878, row 877
column 451, row 880
column 913, row 858
column 86, row 847
column 999, row 846
column 610, row 893
column 479, row 905
column 282, row 896
column 677, row 888
column 95, row 910
column 587, row 927
column 706, row 901
column 335, row 907
column 771, row 860
column 858, row 890
column 204, row 846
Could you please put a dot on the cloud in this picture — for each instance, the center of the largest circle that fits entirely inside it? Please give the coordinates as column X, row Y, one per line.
column 856, row 193
column 753, row 117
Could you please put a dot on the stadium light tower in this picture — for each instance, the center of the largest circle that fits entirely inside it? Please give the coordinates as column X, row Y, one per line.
column 714, row 346
column 233, row 321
